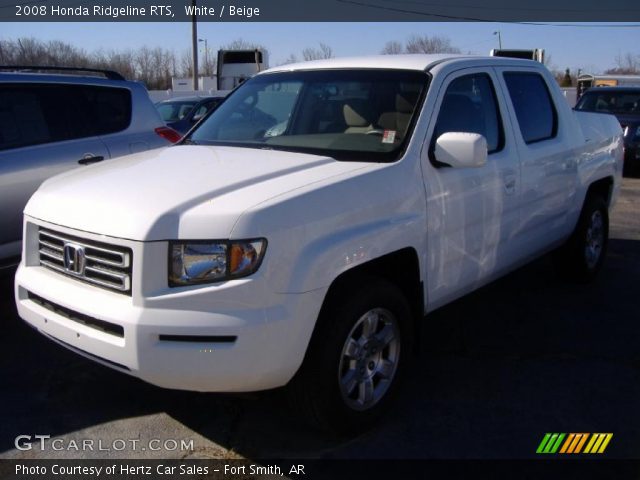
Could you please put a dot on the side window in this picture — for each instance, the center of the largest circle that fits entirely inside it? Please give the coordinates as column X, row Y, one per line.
column 34, row 114
column 531, row 100
column 200, row 111
column 109, row 108
column 22, row 118
column 469, row 105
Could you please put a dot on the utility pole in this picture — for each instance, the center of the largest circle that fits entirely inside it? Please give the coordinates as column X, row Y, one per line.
column 497, row 32
column 194, row 44
column 206, row 56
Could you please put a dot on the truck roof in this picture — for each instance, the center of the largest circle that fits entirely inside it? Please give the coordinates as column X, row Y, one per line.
column 420, row 62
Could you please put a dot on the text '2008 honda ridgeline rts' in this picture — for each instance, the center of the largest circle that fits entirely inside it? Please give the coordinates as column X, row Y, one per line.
column 302, row 231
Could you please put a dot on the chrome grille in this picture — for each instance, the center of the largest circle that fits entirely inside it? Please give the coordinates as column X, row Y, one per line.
column 100, row 264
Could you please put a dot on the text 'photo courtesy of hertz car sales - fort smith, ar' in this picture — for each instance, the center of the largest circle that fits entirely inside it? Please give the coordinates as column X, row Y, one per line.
column 301, row 232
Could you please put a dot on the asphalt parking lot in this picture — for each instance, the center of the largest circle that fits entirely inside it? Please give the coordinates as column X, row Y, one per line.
column 526, row 355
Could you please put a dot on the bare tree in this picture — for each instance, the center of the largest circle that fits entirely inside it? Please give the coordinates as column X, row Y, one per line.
column 627, row 64
column 241, row 44
column 154, row 67
column 392, row 47
column 290, row 59
column 120, row 61
column 30, row 52
column 186, row 64
column 7, row 53
column 60, row 53
column 426, row 44
column 312, row 53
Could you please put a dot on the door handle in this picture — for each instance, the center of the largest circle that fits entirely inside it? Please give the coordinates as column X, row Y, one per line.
column 510, row 184
column 89, row 159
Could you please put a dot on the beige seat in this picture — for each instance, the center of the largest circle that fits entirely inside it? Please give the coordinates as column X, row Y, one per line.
column 358, row 116
column 398, row 121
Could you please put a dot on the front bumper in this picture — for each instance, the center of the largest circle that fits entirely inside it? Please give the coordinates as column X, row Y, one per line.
column 229, row 337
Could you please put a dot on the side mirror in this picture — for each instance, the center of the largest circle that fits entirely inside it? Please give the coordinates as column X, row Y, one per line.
column 197, row 118
column 461, row 149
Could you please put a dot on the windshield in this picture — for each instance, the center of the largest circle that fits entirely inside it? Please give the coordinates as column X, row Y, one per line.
column 174, row 111
column 622, row 102
column 346, row 114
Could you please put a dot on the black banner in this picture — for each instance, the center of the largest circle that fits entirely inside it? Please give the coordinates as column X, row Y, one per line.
column 320, row 10
column 314, row 469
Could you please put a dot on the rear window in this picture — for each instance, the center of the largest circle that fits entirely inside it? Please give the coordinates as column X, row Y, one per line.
column 110, row 108
column 531, row 100
column 174, row 111
column 33, row 114
column 608, row 101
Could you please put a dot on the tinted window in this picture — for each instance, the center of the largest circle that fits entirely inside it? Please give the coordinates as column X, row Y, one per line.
column 35, row 114
column 110, row 108
column 469, row 105
column 608, row 101
column 174, row 111
column 202, row 109
column 532, row 102
column 249, row 56
column 22, row 119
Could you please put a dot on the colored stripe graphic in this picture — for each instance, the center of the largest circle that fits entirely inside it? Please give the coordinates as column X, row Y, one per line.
column 543, row 443
column 598, row 442
column 550, row 443
column 567, row 443
column 581, row 442
column 574, row 443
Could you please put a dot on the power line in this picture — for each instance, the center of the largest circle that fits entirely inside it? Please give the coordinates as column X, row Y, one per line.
column 501, row 8
column 475, row 19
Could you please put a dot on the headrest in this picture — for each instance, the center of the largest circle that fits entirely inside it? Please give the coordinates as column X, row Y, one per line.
column 357, row 113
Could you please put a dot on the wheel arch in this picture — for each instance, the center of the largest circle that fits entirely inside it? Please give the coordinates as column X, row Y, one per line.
column 401, row 268
column 602, row 187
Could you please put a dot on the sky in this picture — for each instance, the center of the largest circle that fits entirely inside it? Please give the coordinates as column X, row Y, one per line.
column 590, row 47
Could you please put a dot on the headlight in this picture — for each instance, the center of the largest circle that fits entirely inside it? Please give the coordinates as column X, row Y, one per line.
column 194, row 262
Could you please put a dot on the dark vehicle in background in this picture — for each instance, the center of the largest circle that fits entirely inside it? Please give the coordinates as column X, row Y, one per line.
column 182, row 113
column 624, row 103
column 588, row 80
column 53, row 119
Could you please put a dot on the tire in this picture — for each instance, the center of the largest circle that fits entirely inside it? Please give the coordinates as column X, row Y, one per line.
column 581, row 258
column 356, row 358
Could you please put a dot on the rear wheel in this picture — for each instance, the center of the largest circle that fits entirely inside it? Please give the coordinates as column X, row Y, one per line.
column 581, row 258
column 356, row 358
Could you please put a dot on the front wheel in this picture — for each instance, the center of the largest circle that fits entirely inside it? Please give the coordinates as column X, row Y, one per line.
column 356, row 358
column 581, row 258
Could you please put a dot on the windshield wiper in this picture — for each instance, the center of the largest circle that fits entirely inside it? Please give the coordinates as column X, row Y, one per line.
column 188, row 141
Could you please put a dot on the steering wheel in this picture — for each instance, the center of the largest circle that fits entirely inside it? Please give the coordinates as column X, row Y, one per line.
column 375, row 131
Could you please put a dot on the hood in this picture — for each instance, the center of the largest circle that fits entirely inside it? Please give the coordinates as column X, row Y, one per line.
column 186, row 192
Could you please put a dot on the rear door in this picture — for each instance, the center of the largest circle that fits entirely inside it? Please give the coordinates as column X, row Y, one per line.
column 549, row 167
column 44, row 131
column 472, row 213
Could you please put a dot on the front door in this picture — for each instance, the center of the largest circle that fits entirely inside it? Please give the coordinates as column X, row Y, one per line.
column 472, row 213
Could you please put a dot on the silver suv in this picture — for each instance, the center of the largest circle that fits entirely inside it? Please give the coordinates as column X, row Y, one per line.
column 52, row 122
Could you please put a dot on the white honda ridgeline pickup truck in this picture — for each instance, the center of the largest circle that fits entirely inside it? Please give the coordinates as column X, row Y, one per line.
column 300, row 233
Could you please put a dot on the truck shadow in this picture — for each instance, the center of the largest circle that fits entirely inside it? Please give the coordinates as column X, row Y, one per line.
column 497, row 369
